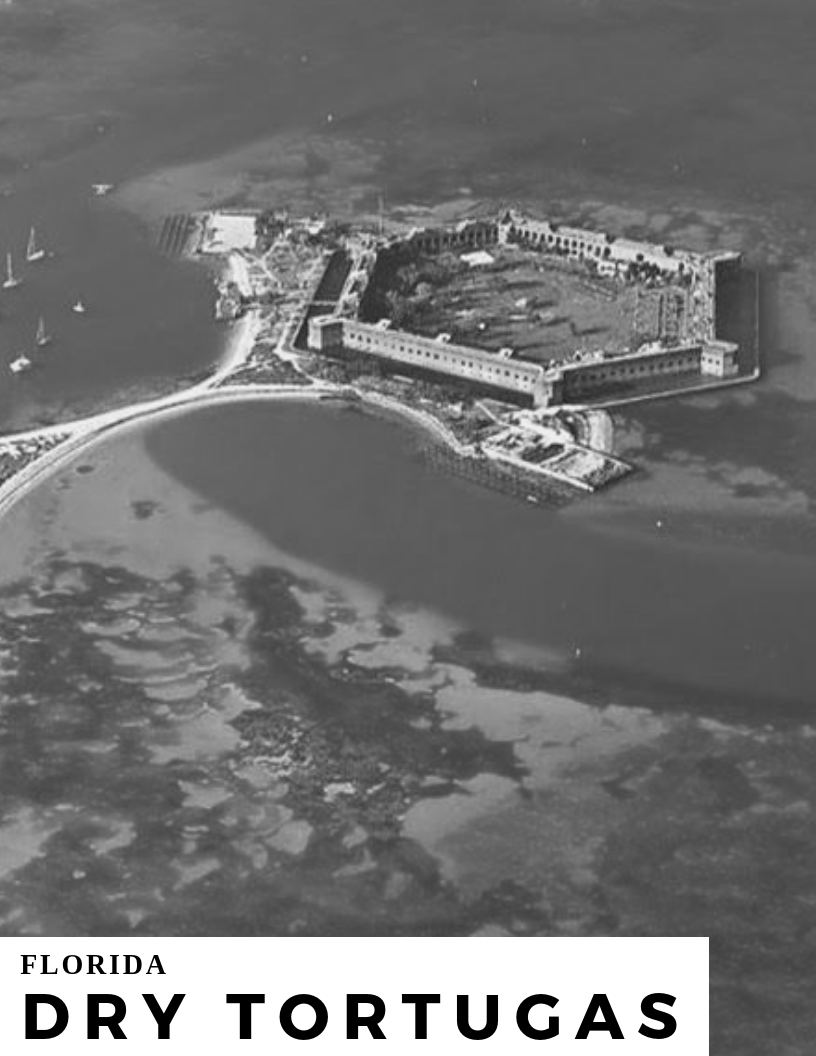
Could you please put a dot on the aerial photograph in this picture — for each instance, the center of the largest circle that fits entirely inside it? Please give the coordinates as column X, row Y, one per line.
column 407, row 476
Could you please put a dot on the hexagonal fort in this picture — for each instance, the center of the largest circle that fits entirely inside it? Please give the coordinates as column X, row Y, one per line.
column 536, row 312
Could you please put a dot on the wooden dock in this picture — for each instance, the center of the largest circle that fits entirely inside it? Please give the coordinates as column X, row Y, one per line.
column 176, row 233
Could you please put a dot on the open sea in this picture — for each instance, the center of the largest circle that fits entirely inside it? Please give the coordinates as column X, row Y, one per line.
column 687, row 592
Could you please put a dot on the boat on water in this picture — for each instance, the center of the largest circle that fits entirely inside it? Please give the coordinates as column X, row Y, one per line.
column 11, row 281
column 33, row 252
column 21, row 364
column 43, row 338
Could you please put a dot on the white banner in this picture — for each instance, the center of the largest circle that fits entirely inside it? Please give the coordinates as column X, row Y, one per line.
column 321, row 995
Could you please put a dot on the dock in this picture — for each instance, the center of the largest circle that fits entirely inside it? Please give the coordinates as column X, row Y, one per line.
column 176, row 233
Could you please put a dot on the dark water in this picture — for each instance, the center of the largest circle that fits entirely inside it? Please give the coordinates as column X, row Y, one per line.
column 147, row 320
column 350, row 493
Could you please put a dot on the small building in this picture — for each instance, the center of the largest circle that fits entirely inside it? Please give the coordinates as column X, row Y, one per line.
column 479, row 258
column 720, row 359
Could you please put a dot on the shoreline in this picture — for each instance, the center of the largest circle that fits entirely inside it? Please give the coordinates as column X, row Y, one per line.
column 72, row 437
column 37, row 472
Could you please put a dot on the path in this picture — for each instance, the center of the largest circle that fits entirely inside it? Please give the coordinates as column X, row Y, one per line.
column 84, row 433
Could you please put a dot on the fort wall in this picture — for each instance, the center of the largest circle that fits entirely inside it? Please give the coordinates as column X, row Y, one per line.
column 609, row 254
column 519, row 379
column 470, row 234
column 590, row 379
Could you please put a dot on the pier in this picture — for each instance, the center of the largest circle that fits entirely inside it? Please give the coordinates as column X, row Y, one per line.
column 176, row 233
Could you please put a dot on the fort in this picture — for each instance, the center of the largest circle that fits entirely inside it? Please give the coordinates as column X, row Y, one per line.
column 695, row 350
column 690, row 347
column 506, row 339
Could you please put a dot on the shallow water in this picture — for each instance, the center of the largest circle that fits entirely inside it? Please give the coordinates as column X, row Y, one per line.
column 349, row 493
column 203, row 734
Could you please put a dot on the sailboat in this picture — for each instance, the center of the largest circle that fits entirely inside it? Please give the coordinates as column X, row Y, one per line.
column 20, row 364
column 32, row 253
column 11, row 280
column 43, row 338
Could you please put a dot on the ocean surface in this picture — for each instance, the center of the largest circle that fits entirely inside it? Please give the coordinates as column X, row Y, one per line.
column 679, row 606
column 628, row 601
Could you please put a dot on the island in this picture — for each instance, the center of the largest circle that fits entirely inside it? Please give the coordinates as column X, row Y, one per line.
column 509, row 339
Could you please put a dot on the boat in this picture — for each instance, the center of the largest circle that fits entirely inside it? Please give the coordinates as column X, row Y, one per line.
column 79, row 308
column 20, row 364
column 32, row 252
column 43, row 338
column 11, row 280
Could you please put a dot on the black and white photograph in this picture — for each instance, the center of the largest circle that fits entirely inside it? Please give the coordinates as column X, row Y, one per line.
column 407, row 478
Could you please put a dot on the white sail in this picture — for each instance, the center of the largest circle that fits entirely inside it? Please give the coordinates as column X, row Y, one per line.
column 43, row 337
column 32, row 252
column 10, row 281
